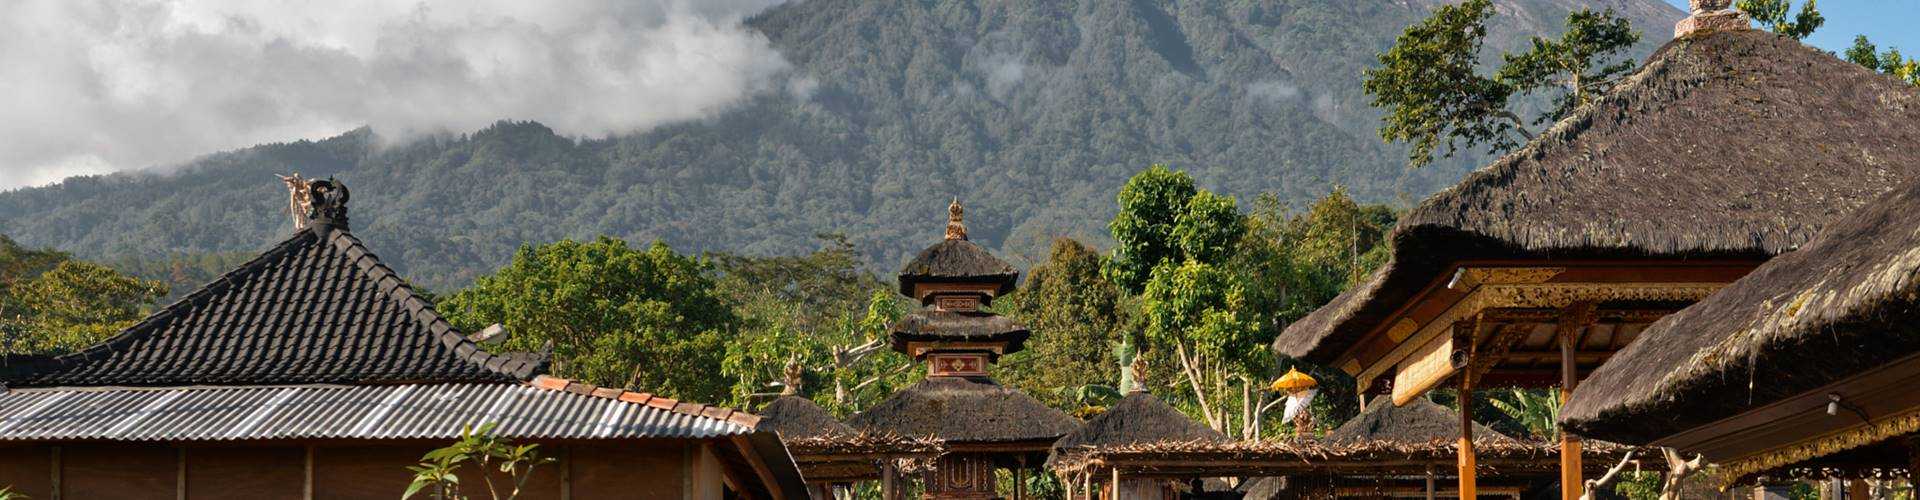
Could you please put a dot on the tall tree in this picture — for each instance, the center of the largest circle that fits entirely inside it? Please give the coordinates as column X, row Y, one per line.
column 50, row 304
column 1773, row 14
column 1078, row 319
column 1435, row 95
column 1143, row 231
column 1195, row 313
column 614, row 315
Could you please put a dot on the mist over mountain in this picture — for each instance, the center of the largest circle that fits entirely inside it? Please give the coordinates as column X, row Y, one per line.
column 1031, row 112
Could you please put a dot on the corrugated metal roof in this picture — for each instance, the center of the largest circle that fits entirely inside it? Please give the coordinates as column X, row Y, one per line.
column 436, row 411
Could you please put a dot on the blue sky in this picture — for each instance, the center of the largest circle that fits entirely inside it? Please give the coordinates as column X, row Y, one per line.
column 1885, row 22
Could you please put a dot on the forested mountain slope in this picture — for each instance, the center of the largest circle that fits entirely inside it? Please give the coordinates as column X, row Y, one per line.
column 1033, row 112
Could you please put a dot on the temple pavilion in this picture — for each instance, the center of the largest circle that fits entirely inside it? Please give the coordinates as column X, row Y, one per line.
column 982, row 425
column 315, row 371
column 1805, row 368
column 832, row 456
column 1727, row 147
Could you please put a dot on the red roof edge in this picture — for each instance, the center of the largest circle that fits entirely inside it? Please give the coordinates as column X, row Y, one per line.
column 737, row 417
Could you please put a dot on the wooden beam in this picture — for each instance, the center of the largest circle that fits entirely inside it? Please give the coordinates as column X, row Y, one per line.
column 760, row 468
column 1467, row 471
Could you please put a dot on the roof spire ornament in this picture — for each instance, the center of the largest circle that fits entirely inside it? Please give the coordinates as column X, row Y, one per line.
column 956, row 228
column 1710, row 15
column 299, row 201
column 793, row 376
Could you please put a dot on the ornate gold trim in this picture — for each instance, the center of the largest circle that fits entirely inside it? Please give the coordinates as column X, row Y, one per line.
column 1819, row 446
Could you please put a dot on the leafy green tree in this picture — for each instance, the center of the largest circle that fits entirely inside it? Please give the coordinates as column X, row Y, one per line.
column 614, row 315
column 1194, row 312
column 1430, row 84
column 1210, row 226
column 50, row 304
column 1144, row 230
column 1591, row 38
column 1773, row 14
column 1864, row 53
column 1538, row 410
column 1077, row 318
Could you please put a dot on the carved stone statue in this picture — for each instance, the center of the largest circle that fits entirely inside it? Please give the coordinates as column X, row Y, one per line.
column 299, row 201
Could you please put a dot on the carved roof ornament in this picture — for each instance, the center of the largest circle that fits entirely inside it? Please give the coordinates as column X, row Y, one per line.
column 794, row 376
column 1710, row 15
column 299, row 204
column 956, row 229
column 328, row 199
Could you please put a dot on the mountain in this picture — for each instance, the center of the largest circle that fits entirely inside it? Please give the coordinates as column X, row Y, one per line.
column 1032, row 112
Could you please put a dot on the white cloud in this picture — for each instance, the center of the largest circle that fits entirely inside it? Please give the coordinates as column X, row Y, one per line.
column 94, row 85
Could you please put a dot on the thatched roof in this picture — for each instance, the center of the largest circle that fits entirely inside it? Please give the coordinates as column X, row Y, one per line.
column 1302, row 457
column 1845, row 303
column 1138, row 418
column 959, row 410
column 955, row 261
column 795, row 417
column 958, row 326
column 1419, row 422
column 1725, row 143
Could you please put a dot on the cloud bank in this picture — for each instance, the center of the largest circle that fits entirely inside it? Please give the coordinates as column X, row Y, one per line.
column 89, row 86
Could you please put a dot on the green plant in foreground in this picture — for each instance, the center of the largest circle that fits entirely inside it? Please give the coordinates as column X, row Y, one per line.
column 438, row 471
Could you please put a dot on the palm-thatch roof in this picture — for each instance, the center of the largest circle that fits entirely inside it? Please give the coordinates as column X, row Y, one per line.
column 1419, row 422
column 795, row 417
column 958, row 410
column 934, row 325
column 954, row 261
column 1729, row 143
column 1845, row 303
column 1138, row 418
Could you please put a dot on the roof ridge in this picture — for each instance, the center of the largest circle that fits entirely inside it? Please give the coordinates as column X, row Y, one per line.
column 36, row 365
column 729, row 415
column 519, row 365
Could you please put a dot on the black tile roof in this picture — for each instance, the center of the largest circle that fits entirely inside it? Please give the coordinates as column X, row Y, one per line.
column 317, row 308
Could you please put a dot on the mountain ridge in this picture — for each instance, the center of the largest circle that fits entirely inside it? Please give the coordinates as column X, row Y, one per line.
column 1032, row 113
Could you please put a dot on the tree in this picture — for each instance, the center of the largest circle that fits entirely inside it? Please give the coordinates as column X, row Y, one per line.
column 1077, row 318
column 1890, row 62
column 614, row 315
column 1773, row 15
column 1144, row 230
column 1434, row 94
column 1195, row 310
column 52, row 305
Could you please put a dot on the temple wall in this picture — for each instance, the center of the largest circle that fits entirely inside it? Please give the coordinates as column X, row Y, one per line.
column 647, row 469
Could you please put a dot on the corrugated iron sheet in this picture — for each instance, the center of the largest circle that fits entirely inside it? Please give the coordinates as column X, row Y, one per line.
column 330, row 411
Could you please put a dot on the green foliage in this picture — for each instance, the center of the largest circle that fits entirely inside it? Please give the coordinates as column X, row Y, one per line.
column 1890, row 62
column 1208, row 229
column 1197, row 307
column 615, row 315
column 1569, row 62
column 51, row 305
column 1773, row 15
column 1536, row 409
column 1638, row 485
column 1077, row 317
column 7, row 493
column 1145, row 230
column 477, row 451
column 1434, row 95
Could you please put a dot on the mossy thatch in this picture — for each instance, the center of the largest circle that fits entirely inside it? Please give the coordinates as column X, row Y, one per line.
column 1847, row 302
column 957, row 326
column 1138, row 418
column 1731, row 143
column 1419, row 422
column 795, row 417
column 957, row 410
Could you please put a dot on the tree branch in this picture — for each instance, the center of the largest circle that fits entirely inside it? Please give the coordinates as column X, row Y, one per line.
column 1595, row 484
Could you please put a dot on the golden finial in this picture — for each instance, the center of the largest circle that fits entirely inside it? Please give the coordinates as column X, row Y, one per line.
column 956, row 229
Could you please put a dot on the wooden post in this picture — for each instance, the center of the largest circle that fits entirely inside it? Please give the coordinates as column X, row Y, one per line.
column 888, row 484
column 1857, row 490
column 1113, row 490
column 1467, row 473
column 1573, row 321
column 1572, row 485
column 1430, row 482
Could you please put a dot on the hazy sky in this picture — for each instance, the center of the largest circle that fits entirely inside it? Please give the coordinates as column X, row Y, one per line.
column 90, row 86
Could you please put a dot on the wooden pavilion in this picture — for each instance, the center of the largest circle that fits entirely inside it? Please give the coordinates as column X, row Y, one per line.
column 314, row 371
column 1387, row 452
column 1695, row 169
column 833, row 456
column 982, row 425
column 1806, row 367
